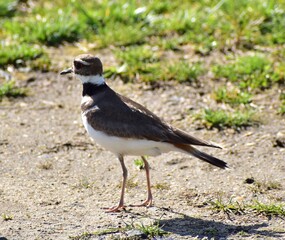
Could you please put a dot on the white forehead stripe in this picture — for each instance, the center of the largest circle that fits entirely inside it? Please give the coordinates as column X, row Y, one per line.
column 94, row 79
column 83, row 62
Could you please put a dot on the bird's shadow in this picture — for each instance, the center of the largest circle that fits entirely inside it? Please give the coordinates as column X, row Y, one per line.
column 185, row 225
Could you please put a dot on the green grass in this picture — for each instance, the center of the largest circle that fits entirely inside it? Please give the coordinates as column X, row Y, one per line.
column 139, row 163
column 227, row 207
column 235, row 207
column 149, row 231
column 168, row 25
column 183, row 71
column 271, row 209
column 51, row 29
column 8, row 8
column 171, row 43
column 155, row 41
column 115, row 23
column 161, row 186
column 232, row 96
column 42, row 63
column 207, row 24
column 263, row 187
column 250, row 72
column 152, row 230
column 226, row 24
column 137, row 55
column 8, row 89
column 221, row 119
column 17, row 54
column 7, row 217
column 131, row 183
column 85, row 183
column 143, row 63
column 120, row 35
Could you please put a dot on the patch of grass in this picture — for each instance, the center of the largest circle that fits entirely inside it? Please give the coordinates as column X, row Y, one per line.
column 121, row 35
column 86, row 184
column 273, row 20
column 138, row 55
column 263, row 187
column 282, row 105
column 17, row 54
column 116, row 23
column 8, row 8
column 249, row 72
column 165, row 7
column 168, row 43
column 221, row 119
column 152, row 230
column 232, row 97
column 51, row 29
column 161, row 186
column 183, row 71
column 43, row 63
column 271, row 185
column 8, row 89
column 272, row 209
column 147, row 231
column 227, row 207
column 7, row 217
column 130, row 183
column 224, row 24
column 109, row 231
column 207, row 24
column 235, row 207
column 109, row 12
column 139, row 163
column 136, row 63
column 144, row 63
column 91, row 235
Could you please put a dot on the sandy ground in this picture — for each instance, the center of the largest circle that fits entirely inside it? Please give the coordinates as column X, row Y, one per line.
column 54, row 181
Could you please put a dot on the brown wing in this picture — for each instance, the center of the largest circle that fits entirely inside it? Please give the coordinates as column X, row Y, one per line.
column 120, row 116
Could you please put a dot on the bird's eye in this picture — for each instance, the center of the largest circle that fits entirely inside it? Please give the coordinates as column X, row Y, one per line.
column 78, row 65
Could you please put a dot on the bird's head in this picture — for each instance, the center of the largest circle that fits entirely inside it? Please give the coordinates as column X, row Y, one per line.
column 87, row 68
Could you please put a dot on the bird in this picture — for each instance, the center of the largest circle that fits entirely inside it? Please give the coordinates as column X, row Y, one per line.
column 125, row 127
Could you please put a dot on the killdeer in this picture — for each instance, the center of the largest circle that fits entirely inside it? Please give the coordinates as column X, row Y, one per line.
column 125, row 127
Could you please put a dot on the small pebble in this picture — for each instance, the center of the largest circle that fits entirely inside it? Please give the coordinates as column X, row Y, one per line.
column 249, row 180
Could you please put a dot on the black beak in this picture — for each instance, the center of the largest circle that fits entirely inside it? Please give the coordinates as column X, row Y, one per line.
column 66, row 71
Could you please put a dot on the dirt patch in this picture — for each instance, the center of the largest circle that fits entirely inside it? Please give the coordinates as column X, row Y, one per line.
column 54, row 181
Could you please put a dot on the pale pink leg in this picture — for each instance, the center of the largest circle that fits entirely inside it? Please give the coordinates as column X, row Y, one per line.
column 125, row 175
column 148, row 201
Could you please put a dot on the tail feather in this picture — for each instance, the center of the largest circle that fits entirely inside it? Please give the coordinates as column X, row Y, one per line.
column 194, row 140
column 203, row 156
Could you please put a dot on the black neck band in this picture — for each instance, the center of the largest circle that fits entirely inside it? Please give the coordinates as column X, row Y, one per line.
column 91, row 89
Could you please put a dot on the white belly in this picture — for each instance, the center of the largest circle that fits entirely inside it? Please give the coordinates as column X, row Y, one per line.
column 127, row 146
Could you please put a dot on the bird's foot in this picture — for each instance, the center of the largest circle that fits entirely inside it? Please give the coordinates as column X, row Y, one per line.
column 115, row 208
column 146, row 203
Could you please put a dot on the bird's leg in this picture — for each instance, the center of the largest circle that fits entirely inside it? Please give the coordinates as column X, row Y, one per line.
column 148, row 201
column 125, row 175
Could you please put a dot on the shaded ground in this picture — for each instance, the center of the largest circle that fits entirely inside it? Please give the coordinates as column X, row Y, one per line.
column 54, row 181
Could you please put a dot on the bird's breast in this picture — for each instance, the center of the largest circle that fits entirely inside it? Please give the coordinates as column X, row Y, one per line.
column 126, row 146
